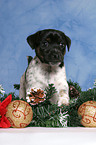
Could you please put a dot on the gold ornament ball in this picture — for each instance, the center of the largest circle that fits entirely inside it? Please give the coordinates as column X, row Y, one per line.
column 19, row 113
column 88, row 113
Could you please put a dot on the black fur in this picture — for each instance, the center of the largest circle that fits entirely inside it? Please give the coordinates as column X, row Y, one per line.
column 50, row 45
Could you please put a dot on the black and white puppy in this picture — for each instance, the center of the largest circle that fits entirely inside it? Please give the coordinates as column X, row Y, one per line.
column 47, row 67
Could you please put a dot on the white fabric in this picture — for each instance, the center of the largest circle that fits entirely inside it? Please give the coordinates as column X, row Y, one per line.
column 48, row 136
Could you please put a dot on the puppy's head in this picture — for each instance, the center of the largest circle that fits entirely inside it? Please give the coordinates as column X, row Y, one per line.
column 50, row 45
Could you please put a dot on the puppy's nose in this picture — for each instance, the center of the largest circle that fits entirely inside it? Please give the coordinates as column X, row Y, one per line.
column 55, row 56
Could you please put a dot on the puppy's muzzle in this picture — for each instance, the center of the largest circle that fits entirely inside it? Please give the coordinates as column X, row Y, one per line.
column 54, row 57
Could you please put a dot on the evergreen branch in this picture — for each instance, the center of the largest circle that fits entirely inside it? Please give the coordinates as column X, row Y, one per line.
column 17, row 86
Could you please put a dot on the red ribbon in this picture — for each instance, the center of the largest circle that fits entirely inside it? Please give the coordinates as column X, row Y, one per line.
column 4, row 122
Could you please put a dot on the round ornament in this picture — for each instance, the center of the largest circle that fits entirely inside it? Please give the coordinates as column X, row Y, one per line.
column 19, row 113
column 88, row 113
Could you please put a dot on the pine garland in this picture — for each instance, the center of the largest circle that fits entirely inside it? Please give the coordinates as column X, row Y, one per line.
column 46, row 114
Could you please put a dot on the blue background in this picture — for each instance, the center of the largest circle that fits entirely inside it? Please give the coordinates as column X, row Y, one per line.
column 20, row 18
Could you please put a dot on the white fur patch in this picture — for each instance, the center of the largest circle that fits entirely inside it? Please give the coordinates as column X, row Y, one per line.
column 39, row 75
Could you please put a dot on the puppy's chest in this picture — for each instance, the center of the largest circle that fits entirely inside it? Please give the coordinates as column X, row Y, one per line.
column 38, row 72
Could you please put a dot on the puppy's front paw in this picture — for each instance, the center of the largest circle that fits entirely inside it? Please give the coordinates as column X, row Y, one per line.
column 63, row 101
column 63, row 98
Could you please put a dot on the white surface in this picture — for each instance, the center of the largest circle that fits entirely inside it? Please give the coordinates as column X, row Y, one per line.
column 48, row 136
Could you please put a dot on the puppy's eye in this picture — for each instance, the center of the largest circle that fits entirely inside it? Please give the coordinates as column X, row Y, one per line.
column 62, row 44
column 46, row 43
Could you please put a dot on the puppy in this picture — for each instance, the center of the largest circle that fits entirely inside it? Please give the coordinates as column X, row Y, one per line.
column 47, row 67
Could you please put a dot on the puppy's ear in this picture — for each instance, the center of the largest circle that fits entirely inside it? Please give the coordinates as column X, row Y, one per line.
column 33, row 40
column 68, row 41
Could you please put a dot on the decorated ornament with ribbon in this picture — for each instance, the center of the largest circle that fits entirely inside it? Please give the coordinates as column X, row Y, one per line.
column 88, row 113
column 19, row 113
